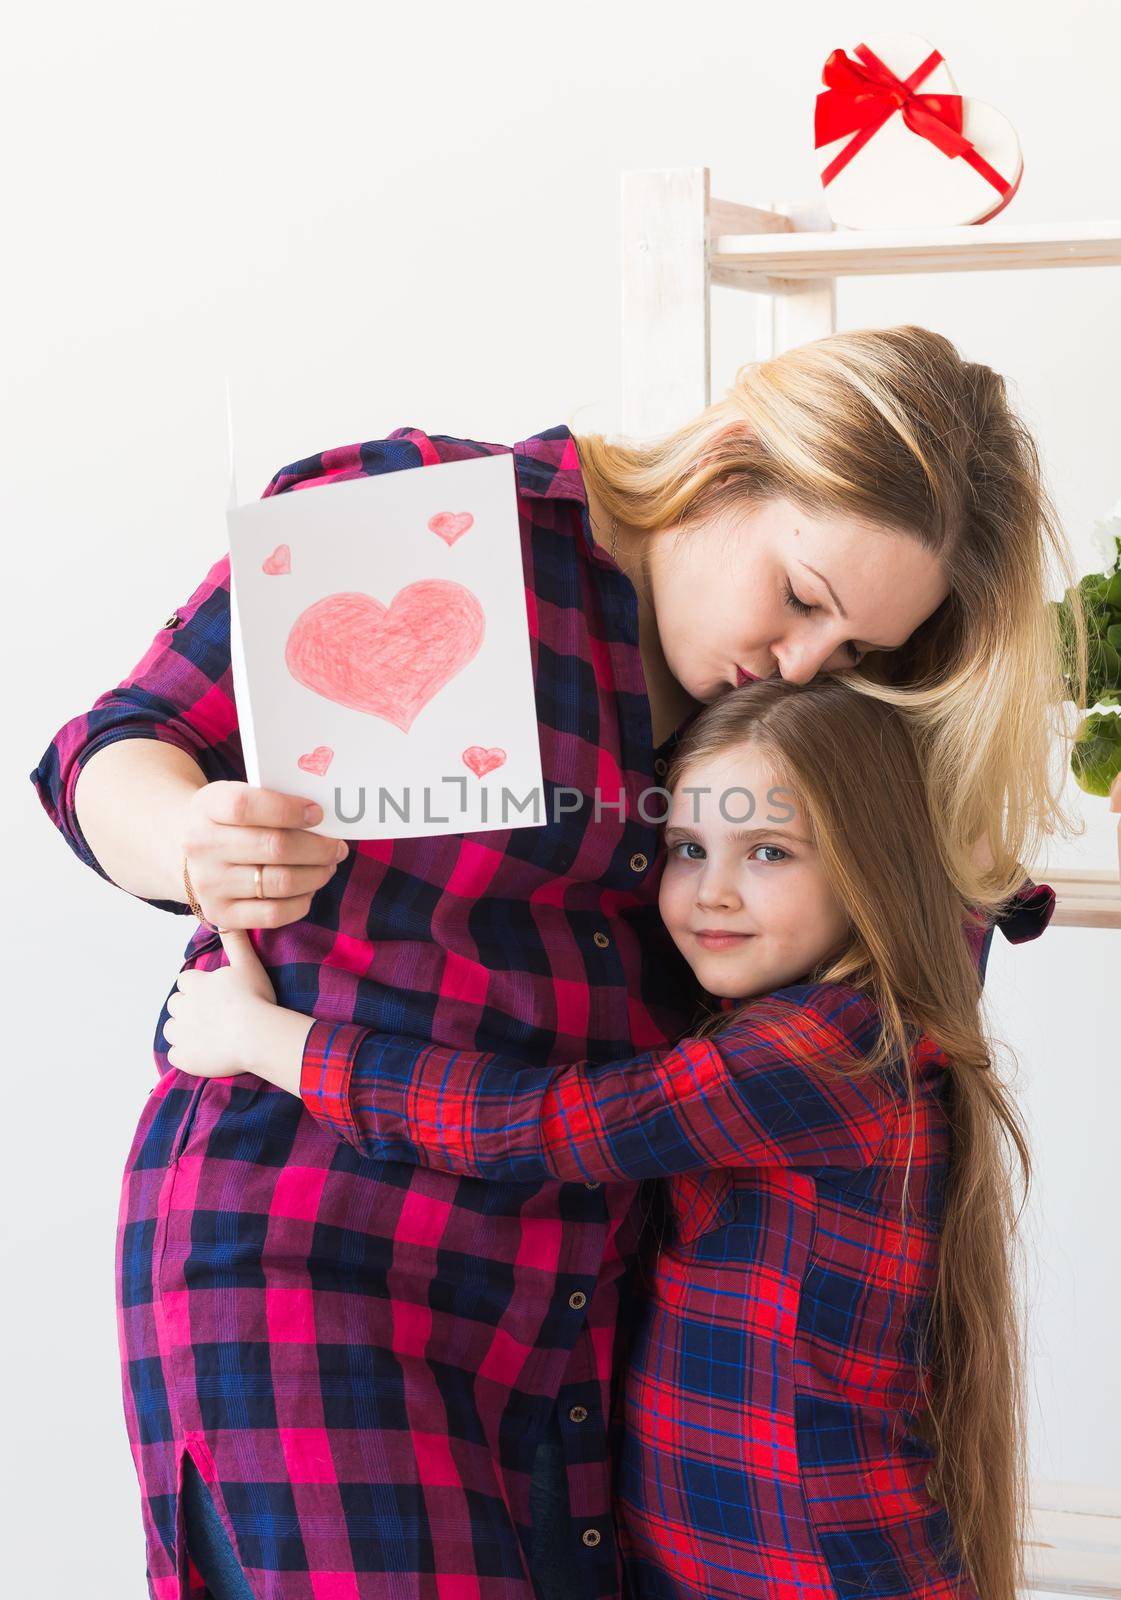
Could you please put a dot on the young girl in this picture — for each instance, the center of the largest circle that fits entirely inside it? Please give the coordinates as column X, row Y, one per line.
column 822, row 1393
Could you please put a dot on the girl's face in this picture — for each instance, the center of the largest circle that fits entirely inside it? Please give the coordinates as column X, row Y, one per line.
column 730, row 596
column 745, row 900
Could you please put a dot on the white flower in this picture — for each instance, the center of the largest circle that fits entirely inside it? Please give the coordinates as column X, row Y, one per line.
column 1106, row 540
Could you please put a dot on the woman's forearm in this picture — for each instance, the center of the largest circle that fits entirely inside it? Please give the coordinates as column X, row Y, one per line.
column 130, row 799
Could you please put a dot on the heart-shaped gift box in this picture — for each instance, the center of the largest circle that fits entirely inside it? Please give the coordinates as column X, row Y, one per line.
column 898, row 147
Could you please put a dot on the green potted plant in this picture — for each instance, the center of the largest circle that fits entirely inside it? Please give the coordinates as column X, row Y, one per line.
column 1096, row 756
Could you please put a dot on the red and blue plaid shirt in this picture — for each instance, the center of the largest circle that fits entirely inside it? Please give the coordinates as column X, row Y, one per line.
column 361, row 1354
column 769, row 1443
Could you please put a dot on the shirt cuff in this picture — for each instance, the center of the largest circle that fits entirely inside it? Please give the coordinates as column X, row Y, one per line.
column 1027, row 913
column 326, row 1070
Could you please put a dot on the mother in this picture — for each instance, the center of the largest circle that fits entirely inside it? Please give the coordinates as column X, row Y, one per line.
column 363, row 1360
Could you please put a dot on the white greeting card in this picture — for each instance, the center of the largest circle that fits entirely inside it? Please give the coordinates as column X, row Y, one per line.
column 380, row 651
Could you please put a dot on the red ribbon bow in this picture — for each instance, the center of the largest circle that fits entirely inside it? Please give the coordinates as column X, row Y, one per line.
column 861, row 95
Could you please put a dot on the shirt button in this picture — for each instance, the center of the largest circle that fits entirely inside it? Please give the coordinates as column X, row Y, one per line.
column 173, row 620
column 591, row 1537
column 578, row 1414
column 578, row 1300
column 661, row 767
column 639, row 862
column 601, row 939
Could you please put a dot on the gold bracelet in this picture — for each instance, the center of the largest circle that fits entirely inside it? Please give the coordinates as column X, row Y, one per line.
column 192, row 900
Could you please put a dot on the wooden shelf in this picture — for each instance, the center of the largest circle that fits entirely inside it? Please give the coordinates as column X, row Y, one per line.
column 1073, row 1543
column 795, row 254
column 679, row 241
column 1084, row 897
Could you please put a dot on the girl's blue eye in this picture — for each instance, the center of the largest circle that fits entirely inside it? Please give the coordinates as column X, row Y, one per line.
column 781, row 852
column 685, row 844
column 804, row 610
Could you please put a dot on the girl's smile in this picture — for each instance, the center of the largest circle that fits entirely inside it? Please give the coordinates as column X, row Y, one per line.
column 719, row 939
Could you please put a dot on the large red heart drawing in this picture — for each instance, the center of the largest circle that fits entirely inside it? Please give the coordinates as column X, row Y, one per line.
column 386, row 661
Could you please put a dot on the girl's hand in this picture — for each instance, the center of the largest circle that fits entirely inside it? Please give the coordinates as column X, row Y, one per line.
column 215, row 1018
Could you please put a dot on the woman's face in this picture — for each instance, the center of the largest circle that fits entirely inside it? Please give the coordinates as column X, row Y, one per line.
column 729, row 595
column 760, row 883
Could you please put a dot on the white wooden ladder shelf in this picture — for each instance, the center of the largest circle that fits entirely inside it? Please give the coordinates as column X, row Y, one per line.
column 677, row 243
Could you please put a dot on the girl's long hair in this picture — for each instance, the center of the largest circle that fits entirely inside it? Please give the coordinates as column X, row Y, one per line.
column 892, row 426
column 858, row 780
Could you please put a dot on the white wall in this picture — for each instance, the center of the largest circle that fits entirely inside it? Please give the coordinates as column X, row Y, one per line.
column 373, row 216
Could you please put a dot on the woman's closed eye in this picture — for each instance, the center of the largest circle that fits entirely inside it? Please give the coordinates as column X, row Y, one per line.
column 795, row 603
column 803, row 608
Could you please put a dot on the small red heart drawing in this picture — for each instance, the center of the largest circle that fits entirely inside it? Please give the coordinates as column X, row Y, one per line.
column 450, row 525
column 481, row 761
column 279, row 561
column 317, row 760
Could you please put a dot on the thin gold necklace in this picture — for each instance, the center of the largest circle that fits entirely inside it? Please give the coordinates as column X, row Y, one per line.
column 614, row 535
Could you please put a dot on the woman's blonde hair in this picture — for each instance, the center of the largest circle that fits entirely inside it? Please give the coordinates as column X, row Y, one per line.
column 892, row 426
column 853, row 770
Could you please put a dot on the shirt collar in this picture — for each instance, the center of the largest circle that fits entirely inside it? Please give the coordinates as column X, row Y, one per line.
column 727, row 1003
column 548, row 466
